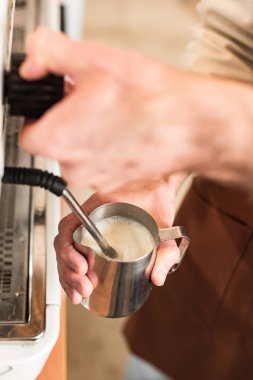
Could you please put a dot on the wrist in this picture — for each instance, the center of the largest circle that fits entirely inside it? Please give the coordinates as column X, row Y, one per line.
column 203, row 125
column 174, row 181
column 231, row 139
column 241, row 131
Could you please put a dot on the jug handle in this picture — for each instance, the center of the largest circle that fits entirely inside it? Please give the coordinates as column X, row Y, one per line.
column 176, row 233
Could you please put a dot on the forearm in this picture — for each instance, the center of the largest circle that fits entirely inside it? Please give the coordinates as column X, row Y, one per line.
column 212, row 131
column 222, row 47
column 230, row 141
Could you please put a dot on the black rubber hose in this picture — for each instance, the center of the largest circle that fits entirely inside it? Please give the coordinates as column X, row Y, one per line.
column 34, row 177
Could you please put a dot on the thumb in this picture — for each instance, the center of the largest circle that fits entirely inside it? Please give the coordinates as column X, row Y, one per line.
column 168, row 254
column 50, row 136
column 51, row 52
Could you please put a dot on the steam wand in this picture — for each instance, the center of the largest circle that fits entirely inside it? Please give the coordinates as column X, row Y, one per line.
column 57, row 186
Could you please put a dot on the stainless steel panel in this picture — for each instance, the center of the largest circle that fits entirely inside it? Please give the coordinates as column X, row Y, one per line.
column 15, row 209
column 22, row 228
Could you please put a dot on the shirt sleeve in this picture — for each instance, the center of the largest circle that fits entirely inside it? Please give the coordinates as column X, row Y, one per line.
column 222, row 42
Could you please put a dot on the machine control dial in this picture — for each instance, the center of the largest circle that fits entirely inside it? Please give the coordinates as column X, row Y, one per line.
column 30, row 98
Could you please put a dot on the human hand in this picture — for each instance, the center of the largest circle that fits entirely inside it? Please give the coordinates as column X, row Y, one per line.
column 130, row 118
column 156, row 197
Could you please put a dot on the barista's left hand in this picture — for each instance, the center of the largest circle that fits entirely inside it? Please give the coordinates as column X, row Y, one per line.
column 155, row 196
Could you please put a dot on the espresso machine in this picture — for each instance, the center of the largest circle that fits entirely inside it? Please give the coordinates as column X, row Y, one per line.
column 30, row 293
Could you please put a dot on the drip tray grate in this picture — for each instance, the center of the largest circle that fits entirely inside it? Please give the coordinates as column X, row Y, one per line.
column 15, row 210
column 6, row 261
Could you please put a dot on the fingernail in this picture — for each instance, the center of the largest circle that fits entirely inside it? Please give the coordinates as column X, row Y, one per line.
column 162, row 274
column 26, row 69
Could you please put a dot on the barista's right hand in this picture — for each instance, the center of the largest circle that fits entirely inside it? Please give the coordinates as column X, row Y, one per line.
column 155, row 196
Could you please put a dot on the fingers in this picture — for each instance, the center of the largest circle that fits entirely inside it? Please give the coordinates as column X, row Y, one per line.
column 168, row 254
column 76, row 287
column 50, row 135
column 75, row 269
column 67, row 226
column 74, row 274
column 66, row 132
column 69, row 257
column 49, row 52
column 74, row 296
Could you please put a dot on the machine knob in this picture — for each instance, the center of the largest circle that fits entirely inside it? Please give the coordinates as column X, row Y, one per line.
column 30, row 98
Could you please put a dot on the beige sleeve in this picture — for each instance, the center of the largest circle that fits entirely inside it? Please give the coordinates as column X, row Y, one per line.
column 223, row 39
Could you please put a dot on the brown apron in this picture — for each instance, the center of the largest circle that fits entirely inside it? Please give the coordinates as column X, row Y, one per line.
column 200, row 324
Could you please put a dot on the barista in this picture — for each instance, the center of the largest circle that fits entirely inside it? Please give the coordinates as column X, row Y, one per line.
column 152, row 123
column 131, row 120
